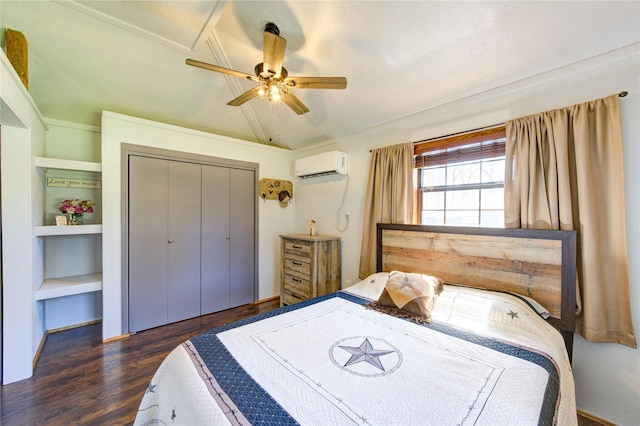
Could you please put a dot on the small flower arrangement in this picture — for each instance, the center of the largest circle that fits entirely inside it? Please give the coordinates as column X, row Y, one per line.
column 76, row 206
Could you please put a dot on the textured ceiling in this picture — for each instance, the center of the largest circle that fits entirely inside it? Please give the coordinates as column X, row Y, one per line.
column 400, row 57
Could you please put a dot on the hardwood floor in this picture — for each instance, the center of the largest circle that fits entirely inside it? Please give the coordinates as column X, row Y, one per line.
column 80, row 380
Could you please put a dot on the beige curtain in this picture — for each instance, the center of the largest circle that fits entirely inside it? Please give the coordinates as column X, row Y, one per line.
column 389, row 198
column 564, row 170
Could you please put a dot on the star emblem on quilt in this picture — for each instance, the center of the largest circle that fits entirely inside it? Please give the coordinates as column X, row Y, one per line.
column 151, row 388
column 512, row 314
column 365, row 353
column 365, row 356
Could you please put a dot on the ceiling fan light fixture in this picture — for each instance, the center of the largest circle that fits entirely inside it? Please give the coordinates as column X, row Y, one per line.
column 261, row 90
column 275, row 93
column 270, row 92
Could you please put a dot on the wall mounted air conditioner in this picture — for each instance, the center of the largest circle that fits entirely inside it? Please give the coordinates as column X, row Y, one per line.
column 326, row 164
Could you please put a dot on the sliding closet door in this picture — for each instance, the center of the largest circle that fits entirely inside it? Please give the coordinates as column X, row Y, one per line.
column 148, row 216
column 228, row 237
column 192, row 239
column 183, row 260
column 215, row 239
column 242, row 236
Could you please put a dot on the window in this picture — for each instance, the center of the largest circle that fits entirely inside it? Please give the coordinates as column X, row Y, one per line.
column 461, row 179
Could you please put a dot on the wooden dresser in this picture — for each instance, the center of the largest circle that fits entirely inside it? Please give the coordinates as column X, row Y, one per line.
column 310, row 267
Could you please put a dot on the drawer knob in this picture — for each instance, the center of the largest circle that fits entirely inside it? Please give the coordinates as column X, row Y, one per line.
column 296, row 263
column 298, row 280
column 297, row 247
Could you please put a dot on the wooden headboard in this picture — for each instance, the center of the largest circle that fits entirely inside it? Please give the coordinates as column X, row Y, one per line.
column 536, row 263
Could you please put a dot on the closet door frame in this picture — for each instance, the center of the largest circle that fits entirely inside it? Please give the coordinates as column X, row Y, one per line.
column 128, row 150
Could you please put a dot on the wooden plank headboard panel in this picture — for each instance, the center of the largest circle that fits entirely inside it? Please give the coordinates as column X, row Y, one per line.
column 537, row 263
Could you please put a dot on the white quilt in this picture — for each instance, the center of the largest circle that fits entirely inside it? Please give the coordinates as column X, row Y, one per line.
column 335, row 362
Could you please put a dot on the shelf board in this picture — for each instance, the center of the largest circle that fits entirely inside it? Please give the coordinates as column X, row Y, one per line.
column 43, row 231
column 67, row 286
column 61, row 164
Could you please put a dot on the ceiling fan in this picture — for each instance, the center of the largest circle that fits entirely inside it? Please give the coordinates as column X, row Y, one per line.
column 273, row 81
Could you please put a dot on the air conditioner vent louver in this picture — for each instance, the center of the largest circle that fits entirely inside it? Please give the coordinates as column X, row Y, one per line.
column 325, row 164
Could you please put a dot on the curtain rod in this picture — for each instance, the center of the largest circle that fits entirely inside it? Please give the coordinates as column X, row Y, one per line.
column 621, row 95
column 493, row 126
column 456, row 134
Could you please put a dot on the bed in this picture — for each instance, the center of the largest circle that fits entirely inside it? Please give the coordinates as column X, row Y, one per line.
column 496, row 351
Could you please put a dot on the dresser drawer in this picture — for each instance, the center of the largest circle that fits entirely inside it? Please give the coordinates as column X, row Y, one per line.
column 297, row 266
column 297, row 248
column 297, row 285
column 289, row 298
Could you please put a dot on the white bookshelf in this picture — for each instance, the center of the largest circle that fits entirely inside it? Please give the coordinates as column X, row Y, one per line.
column 67, row 286
column 53, row 288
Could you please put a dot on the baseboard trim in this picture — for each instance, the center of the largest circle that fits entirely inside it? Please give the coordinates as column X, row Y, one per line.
column 71, row 327
column 36, row 357
column 114, row 338
column 596, row 419
column 268, row 299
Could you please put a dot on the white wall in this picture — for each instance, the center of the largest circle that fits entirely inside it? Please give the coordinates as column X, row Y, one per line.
column 273, row 220
column 22, row 138
column 72, row 141
column 606, row 375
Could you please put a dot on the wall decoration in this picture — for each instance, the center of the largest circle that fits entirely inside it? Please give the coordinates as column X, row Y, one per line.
column 18, row 54
column 276, row 189
column 73, row 183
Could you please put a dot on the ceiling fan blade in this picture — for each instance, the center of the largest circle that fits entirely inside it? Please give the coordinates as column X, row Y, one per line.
column 274, row 47
column 293, row 102
column 316, row 82
column 223, row 70
column 246, row 96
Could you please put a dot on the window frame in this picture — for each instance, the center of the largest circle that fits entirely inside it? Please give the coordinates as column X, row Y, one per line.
column 468, row 147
